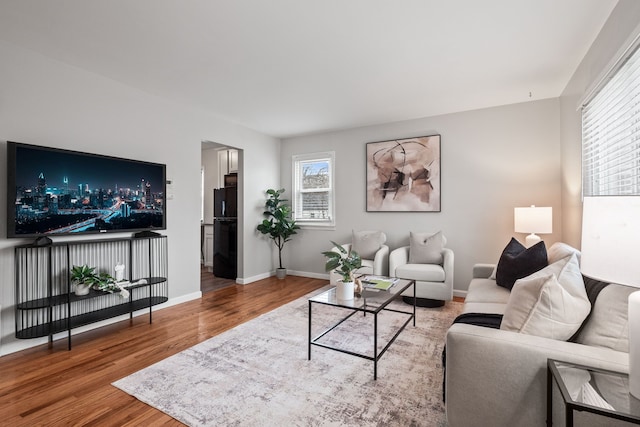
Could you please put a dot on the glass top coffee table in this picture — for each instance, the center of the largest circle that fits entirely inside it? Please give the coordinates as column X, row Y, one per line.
column 370, row 302
column 588, row 389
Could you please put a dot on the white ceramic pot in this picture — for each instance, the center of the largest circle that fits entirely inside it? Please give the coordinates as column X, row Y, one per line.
column 82, row 288
column 344, row 290
column 281, row 273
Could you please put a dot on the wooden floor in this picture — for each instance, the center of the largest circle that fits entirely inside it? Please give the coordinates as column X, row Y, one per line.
column 56, row 387
column 209, row 282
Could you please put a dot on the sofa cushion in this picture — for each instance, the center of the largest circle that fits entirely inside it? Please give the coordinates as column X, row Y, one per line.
column 367, row 243
column 425, row 248
column 486, row 290
column 517, row 262
column 549, row 303
column 608, row 325
column 560, row 250
column 421, row 272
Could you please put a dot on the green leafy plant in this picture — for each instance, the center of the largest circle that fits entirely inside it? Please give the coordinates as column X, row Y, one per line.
column 106, row 283
column 342, row 262
column 278, row 224
column 83, row 274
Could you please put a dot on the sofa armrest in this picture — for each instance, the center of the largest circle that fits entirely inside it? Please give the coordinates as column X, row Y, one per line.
column 398, row 257
column 381, row 261
column 482, row 271
column 447, row 265
column 502, row 375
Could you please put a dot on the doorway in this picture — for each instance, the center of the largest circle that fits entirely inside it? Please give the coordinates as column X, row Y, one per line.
column 220, row 208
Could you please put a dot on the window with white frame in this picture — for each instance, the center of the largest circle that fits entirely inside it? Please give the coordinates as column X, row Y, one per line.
column 611, row 132
column 313, row 189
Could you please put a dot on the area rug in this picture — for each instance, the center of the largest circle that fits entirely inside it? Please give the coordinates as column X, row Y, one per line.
column 257, row 374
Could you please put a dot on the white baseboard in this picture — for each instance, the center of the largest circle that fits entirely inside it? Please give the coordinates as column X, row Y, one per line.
column 308, row 274
column 14, row 344
column 247, row 280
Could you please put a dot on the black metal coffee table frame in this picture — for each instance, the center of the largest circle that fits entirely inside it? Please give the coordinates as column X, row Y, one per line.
column 360, row 305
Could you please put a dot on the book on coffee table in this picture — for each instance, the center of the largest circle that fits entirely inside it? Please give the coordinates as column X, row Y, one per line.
column 377, row 282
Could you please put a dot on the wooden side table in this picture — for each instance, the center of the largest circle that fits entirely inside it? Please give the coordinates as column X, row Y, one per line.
column 593, row 390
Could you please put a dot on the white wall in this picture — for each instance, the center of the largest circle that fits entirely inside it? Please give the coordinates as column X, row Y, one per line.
column 614, row 36
column 46, row 102
column 492, row 161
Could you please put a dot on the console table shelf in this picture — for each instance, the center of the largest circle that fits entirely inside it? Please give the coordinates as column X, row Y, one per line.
column 45, row 300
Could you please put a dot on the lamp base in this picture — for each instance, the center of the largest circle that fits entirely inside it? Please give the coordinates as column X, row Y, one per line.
column 531, row 240
column 634, row 344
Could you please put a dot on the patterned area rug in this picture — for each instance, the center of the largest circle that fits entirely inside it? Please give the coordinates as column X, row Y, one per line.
column 257, row 374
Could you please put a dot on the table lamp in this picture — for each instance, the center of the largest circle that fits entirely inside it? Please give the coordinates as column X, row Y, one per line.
column 610, row 240
column 533, row 220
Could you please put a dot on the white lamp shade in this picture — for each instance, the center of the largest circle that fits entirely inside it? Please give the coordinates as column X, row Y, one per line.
column 610, row 240
column 533, row 220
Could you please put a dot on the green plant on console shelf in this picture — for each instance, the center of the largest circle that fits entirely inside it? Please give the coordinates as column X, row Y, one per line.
column 83, row 274
column 107, row 283
column 342, row 262
column 278, row 224
column 85, row 277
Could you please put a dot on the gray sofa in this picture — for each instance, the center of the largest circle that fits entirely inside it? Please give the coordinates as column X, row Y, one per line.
column 496, row 377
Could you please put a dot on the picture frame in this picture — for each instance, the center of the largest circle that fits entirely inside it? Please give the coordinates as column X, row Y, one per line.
column 403, row 175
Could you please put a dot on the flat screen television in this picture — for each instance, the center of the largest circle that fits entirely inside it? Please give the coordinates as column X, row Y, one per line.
column 54, row 192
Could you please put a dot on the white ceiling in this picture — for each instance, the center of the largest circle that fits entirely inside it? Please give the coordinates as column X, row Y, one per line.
column 292, row 67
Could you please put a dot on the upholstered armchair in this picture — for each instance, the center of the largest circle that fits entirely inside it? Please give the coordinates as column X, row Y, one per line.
column 430, row 264
column 371, row 248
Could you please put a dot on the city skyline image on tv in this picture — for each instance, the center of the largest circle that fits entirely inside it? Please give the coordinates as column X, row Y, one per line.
column 54, row 192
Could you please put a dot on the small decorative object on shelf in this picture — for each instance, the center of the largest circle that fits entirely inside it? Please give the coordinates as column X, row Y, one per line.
column 119, row 269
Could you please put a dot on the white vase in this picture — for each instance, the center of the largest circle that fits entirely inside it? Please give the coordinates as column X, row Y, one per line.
column 344, row 290
column 82, row 288
column 281, row 273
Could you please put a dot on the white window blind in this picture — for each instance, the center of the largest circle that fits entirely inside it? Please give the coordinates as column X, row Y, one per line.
column 313, row 188
column 611, row 134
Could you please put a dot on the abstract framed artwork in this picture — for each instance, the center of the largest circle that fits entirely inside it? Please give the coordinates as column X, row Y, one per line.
column 404, row 175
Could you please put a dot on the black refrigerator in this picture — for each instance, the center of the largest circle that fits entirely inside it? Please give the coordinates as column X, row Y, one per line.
column 225, row 232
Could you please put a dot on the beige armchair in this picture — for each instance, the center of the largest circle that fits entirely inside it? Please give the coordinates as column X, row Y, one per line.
column 430, row 264
column 371, row 248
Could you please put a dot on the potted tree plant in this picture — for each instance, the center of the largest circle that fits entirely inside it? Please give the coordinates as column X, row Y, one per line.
column 278, row 224
column 344, row 263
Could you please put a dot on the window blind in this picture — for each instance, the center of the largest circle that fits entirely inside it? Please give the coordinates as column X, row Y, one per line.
column 313, row 188
column 611, row 134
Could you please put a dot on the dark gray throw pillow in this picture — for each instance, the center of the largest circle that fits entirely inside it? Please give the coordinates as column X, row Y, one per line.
column 517, row 262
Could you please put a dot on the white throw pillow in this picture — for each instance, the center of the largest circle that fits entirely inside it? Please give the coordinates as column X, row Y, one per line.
column 367, row 243
column 550, row 303
column 560, row 250
column 425, row 248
